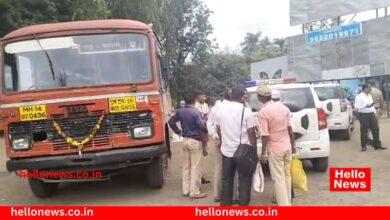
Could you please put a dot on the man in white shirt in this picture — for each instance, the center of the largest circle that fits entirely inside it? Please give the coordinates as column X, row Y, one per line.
column 364, row 104
column 231, row 132
column 214, row 143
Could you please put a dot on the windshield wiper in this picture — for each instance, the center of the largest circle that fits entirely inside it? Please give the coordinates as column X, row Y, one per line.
column 47, row 56
column 62, row 79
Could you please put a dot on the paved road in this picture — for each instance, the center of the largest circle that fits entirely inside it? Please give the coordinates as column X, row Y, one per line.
column 130, row 189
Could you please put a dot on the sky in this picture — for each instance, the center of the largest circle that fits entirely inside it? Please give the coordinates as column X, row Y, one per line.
column 232, row 19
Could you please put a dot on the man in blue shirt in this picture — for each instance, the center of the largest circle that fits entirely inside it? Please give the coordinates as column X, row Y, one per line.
column 192, row 130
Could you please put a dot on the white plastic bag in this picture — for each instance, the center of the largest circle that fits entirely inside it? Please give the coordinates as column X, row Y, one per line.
column 258, row 179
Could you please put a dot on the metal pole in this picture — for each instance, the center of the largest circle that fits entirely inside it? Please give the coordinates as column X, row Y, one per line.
column 386, row 11
column 387, row 97
column 352, row 18
column 303, row 28
column 377, row 13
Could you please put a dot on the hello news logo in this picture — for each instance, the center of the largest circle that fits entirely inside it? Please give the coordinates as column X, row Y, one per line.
column 350, row 179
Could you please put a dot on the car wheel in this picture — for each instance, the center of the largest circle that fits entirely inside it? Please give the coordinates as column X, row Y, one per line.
column 346, row 134
column 42, row 189
column 155, row 173
column 320, row 164
column 352, row 124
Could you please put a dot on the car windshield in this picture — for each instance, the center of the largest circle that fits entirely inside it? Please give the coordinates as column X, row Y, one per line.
column 300, row 97
column 76, row 61
column 328, row 92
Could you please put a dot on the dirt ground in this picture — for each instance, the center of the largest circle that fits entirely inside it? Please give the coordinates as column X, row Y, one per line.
column 130, row 189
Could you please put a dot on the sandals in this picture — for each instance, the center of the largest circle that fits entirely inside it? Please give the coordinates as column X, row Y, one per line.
column 198, row 196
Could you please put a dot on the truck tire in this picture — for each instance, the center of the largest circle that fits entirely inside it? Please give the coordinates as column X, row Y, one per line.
column 155, row 173
column 41, row 189
column 320, row 164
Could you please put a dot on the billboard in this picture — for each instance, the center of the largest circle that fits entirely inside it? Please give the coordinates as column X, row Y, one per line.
column 364, row 55
column 305, row 11
column 275, row 68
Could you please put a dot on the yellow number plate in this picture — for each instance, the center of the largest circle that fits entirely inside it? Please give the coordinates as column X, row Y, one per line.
column 125, row 104
column 32, row 112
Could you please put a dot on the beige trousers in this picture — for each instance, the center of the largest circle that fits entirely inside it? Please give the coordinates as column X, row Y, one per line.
column 280, row 165
column 378, row 114
column 217, row 180
column 192, row 174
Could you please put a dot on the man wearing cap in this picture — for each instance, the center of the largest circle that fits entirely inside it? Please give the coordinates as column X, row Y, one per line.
column 275, row 95
column 278, row 143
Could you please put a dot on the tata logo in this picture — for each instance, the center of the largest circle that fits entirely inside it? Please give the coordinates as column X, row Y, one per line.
column 77, row 109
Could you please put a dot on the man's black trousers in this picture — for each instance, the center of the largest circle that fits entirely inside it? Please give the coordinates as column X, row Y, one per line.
column 368, row 121
column 229, row 168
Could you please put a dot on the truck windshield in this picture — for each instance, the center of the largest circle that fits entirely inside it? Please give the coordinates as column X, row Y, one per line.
column 76, row 61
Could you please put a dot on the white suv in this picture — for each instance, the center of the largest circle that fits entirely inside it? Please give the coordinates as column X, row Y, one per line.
column 338, row 109
column 308, row 121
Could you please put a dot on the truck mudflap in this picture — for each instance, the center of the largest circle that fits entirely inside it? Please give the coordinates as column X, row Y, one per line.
column 126, row 157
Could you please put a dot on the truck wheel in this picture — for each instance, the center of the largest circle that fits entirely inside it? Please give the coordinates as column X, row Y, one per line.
column 41, row 189
column 320, row 164
column 155, row 173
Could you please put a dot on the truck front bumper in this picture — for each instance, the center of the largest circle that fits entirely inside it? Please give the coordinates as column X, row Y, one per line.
column 112, row 159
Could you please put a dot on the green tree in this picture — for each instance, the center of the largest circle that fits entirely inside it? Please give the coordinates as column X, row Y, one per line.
column 148, row 11
column 89, row 9
column 220, row 71
column 251, row 42
column 265, row 42
column 255, row 48
column 71, row 10
column 18, row 13
column 281, row 43
column 185, row 38
column 264, row 54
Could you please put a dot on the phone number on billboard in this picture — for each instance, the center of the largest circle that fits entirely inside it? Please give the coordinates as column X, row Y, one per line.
column 335, row 33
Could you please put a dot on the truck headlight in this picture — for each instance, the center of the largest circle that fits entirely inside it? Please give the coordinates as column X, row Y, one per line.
column 20, row 143
column 141, row 132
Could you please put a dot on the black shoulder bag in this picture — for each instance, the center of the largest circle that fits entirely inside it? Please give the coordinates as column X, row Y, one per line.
column 245, row 156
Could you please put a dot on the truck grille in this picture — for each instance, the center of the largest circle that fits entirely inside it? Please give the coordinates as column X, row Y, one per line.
column 80, row 126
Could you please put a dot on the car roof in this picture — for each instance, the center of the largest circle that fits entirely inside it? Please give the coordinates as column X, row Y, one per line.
column 326, row 85
column 281, row 86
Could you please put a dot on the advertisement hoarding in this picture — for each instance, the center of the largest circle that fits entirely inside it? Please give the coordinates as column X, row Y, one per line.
column 305, row 11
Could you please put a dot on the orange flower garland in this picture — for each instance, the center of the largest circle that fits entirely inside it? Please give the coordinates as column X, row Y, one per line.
column 79, row 145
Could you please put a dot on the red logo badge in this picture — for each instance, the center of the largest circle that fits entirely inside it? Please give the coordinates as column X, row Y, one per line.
column 350, row 179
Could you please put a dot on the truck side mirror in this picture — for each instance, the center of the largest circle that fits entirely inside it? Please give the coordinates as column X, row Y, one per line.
column 8, row 78
column 166, row 68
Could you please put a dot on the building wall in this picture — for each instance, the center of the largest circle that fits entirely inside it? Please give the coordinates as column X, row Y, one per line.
column 366, row 55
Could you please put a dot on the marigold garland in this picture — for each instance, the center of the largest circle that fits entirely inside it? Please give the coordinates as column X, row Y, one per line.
column 79, row 145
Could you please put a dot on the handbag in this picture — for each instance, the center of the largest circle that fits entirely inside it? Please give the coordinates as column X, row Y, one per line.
column 258, row 179
column 245, row 156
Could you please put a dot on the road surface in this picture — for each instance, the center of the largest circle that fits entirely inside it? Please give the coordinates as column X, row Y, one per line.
column 130, row 189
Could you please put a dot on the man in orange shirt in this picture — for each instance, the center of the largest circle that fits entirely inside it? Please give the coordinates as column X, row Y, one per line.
column 278, row 143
